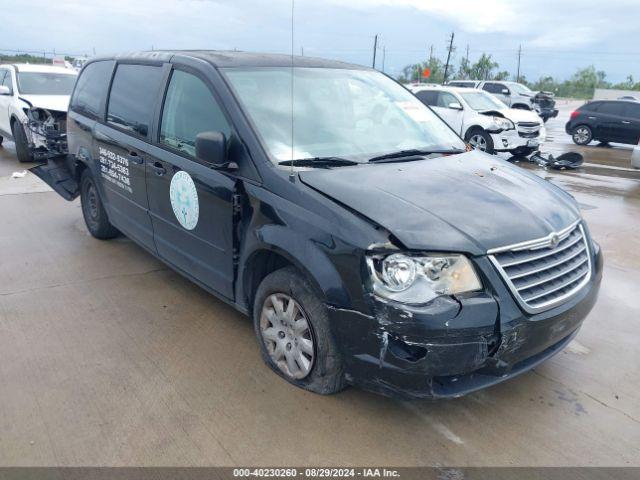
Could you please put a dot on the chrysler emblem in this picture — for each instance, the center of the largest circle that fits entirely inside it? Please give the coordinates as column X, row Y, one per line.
column 554, row 240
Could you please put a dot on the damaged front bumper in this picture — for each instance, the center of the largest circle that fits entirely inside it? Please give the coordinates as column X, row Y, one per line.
column 512, row 140
column 454, row 346
column 46, row 132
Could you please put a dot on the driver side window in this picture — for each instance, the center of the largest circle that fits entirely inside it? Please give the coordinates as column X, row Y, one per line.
column 445, row 98
column 189, row 109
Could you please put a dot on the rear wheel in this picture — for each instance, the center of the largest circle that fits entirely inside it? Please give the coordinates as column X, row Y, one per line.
column 480, row 140
column 292, row 326
column 95, row 216
column 582, row 135
column 22, row 144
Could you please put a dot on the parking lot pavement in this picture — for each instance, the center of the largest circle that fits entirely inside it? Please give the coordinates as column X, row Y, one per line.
column 109, row 358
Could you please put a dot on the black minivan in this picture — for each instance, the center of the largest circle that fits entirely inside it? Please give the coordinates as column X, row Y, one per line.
column 606, row 121
column 329, row 204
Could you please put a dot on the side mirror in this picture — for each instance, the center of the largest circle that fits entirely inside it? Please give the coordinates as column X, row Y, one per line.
column 211, row 147
column 4, row 90
column 455, row 106
column 505, row 91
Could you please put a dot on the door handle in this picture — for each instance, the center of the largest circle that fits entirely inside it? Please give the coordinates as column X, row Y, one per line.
column 133, row 157
column 591, row 118
column 626, row 123
column 81, row 125
column 159, row 169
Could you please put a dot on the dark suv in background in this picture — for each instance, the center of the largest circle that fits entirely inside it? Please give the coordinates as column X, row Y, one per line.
column 605, row 121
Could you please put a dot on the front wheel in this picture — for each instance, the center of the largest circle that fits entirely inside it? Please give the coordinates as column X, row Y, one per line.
column 95, row 216
column 292, row 326
column 481, row 140
column 22, row 144
column 582, row 135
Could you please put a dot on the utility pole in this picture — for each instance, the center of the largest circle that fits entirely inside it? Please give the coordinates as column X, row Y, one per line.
column 430, row 53
column 466, row 63
column 446, row 67
column 519, row 56
column 302, row 51
column 375, row 48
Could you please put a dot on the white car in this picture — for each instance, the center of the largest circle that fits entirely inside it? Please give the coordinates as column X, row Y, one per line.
column 484, row 121
column 33, row 108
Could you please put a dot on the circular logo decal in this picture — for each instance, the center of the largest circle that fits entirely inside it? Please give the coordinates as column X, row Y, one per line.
column 184, row 200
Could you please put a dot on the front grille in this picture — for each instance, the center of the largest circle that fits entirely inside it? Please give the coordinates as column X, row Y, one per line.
column 542, row 273
column 528, row 129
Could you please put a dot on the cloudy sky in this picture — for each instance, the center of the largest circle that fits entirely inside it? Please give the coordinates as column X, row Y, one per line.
column 557, row 36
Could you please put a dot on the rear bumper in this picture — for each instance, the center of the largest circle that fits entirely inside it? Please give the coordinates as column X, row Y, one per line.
column 548, row 112
column 455, row 346
column 635, row 157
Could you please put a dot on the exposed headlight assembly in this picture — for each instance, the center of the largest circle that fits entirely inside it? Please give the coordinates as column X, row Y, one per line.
column 418, row 279
column 500, row 123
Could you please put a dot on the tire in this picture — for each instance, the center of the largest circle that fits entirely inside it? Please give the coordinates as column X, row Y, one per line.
column 582, row 135
column 95, row 216
column 313, row 353
column 480, row 140
column 22, row 144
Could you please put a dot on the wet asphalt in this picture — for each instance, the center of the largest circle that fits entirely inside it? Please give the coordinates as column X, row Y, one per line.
column 109, row 358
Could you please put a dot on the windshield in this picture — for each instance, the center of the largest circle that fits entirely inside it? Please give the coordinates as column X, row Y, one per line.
column 38, row 83
column 518, row 88
column 353, row 114
column 481, row 101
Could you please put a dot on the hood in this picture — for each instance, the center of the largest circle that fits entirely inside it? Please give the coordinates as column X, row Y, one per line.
column 470, row 202
column 518, row 115
column 59, row 103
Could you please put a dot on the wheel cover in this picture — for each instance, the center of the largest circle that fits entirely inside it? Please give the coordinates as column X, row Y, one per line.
column 581, row 135
column 478, row 141
column 287, row 335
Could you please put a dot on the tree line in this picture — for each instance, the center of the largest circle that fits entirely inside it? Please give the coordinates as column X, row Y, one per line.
column 580, row 85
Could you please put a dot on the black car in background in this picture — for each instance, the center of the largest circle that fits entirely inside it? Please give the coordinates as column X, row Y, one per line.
column 606, row 121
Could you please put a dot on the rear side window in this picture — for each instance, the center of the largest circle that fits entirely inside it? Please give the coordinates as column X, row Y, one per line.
column 462, row 84
column 133, row 95
column 493, row 87
column 589, row 107
column 91, row 88
column 428, row 97
column 611, row 108
column 189, row 109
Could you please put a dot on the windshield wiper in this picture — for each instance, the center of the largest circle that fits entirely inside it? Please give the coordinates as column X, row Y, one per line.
column 412, row 153
column 319, row 162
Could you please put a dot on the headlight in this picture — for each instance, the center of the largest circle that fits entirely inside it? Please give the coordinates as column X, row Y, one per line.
column 502, row 123
column 417, row 279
